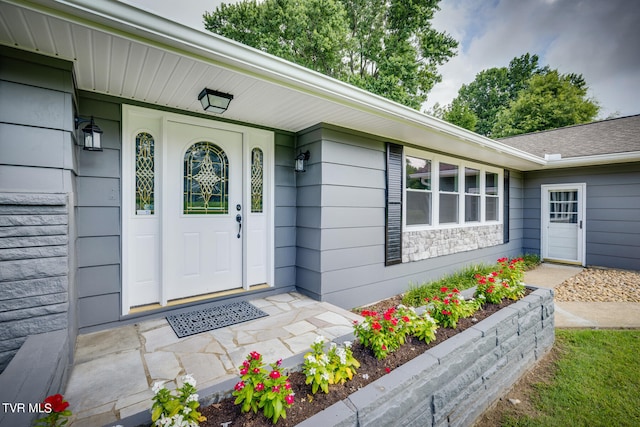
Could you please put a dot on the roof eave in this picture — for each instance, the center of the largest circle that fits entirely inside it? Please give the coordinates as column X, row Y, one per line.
column 594, row 160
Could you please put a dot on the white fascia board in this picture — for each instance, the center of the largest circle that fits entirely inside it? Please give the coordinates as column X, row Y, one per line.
column 126, row 20
column 595, row 160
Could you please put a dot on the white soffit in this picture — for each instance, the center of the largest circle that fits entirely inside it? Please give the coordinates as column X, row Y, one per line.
column 126, row 52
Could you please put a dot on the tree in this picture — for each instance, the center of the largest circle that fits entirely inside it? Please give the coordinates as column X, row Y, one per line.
column 387, row 47
column 491, row 91
column 550, row 101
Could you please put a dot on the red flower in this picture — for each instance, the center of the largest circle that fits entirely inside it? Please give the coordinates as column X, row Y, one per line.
column 387, row 316
column 482, row 280
column 444, row 289
column 259, row 387
column 390, row 329
column 287, row 385
column 365, row 313
column 239, row 386
column 289, row 399
column 245, row 363
column 495, row 273
column 492, row 280
column 376, row 326
column 446, row 313
column 384, row 347
column 256, row 370
column 426, row 299
column 244, row 371
column 406, row 319
column 387, row 370
column 502, row 260
column 254, row 355
column 275, row 375
column 394, row 321
column 57, row 402
column 456, row 291
column 490, row 289
column 436, row 298
column 275, row 389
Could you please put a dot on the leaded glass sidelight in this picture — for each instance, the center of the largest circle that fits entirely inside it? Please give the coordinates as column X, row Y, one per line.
column 206, row 180
column 257, row 173
column 145, row 174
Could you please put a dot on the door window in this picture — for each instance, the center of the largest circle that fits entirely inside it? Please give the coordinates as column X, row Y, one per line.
column 206, row 180
column 563, row 207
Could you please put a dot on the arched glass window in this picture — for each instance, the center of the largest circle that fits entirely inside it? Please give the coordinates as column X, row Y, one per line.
column 145, row 174
column 257, row 173
column 206, row 179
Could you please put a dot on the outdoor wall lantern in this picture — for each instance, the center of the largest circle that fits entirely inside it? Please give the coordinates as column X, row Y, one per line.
column 92, row 134
column 214, row 101
column 300, row 161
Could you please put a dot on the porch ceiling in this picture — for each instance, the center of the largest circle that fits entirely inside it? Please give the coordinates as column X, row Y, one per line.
column 126, row 52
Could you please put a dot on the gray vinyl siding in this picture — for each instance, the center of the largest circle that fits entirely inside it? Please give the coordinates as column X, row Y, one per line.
column 285, row 212
column 612, row 211
column 98, row 217
column 341, row 223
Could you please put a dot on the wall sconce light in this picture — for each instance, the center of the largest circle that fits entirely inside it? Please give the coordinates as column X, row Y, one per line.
column 300, row 161
column 214, row 101
column 92, row 134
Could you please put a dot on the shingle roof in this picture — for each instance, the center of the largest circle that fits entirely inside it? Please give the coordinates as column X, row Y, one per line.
column 618, row 135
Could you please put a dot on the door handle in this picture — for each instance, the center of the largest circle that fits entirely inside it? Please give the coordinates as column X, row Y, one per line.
column 580, row 224
column 239, row 221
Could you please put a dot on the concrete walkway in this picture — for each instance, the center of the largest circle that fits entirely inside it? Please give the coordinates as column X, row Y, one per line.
column 583, row 314
column 115, row 369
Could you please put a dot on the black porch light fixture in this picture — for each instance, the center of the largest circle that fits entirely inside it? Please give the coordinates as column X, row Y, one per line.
column 92, row 134
column 300, row 161
column 214, row 101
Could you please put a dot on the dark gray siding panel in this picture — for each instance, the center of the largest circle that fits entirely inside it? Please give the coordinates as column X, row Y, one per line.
column 98, row 217
column 97, row 310
column 612, row 211
column 285, row 211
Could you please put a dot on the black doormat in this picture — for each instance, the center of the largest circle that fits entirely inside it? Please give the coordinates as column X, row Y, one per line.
column 208, row 319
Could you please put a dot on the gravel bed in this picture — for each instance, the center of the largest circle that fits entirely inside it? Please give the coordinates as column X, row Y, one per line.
column 600, row 285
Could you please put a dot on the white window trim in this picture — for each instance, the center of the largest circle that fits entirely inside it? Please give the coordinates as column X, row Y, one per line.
column 436, row 159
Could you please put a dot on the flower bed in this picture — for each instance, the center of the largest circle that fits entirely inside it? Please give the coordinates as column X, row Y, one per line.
column 455, row 381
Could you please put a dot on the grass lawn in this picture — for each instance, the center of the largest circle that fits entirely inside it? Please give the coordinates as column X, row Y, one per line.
column 596, row 382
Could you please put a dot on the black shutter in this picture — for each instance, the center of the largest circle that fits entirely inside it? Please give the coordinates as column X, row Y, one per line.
column 505, row 223
column 393, row 238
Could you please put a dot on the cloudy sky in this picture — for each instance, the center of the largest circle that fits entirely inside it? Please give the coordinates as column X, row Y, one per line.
column 598, row 38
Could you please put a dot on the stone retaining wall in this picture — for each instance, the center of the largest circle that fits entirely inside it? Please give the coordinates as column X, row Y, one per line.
column 33, row 268
column 424, row 244
column 453, row 383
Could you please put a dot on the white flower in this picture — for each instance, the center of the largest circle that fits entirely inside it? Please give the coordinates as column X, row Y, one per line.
column 312, row 371
column 333, row 345
column 319, row 340
column 342, row 355
column 323, row 359
column 325, row 376
column 461, row 298
column 192, row 398
column 365, row 376
column 401, row 306
column 186, row 410
column 157, row 386
column 311, row 358
column 188, row 379
column 347, row 344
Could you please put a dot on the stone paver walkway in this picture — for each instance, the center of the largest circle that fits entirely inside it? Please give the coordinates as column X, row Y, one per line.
column 115, row 369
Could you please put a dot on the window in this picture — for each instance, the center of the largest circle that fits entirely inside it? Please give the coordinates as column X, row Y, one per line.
column 418, row 185
column 256, row 180
column 471, row 195
column 145, row 174
column 492, row 198
column 206, row 179
column 448, row 193
column 444, row 191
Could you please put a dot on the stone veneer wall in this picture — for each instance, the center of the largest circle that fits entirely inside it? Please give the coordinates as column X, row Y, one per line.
column 424, row 244
column 33, row 268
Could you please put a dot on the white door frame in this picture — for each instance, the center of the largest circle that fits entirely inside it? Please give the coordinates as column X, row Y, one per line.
column 545, row 190
column 138, row 119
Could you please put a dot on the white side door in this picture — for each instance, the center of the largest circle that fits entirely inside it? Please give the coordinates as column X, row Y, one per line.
column 563, row 223
column 203, row 197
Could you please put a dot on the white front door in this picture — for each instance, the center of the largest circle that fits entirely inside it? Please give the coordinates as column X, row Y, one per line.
column 197, row 207
column 563, row 223
column 203, row 197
